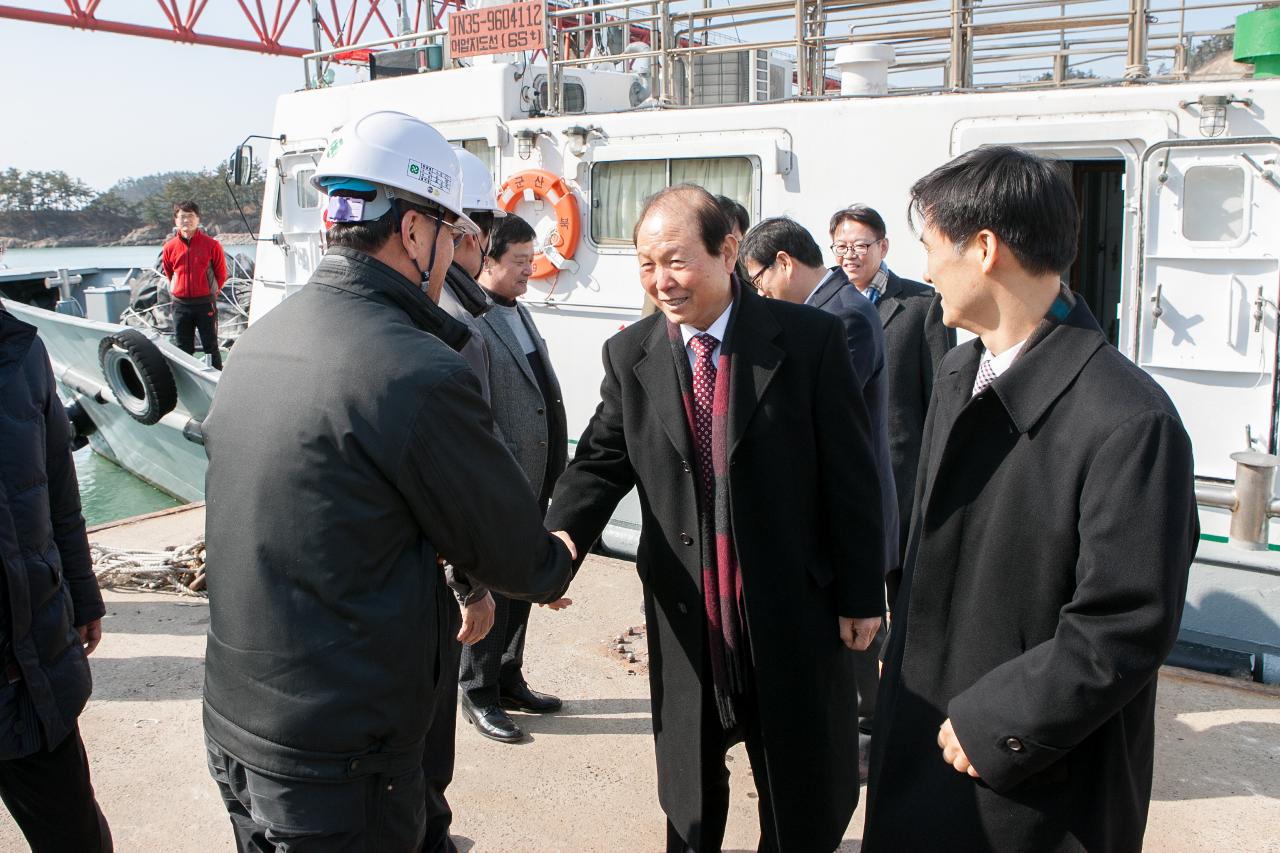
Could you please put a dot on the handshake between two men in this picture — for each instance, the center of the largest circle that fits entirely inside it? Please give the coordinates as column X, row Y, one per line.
column 856, row 634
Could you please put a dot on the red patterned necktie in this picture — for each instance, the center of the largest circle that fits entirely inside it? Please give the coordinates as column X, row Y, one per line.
column 986, row 375
column 704, row 388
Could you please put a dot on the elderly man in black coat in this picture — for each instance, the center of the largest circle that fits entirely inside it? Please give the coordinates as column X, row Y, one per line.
column 1055, row 523
column 762, row 550
column 50, row 608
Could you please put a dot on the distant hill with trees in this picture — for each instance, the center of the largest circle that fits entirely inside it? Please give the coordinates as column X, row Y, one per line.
column 56, row 209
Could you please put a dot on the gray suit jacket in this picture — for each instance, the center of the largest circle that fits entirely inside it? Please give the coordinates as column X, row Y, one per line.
column 863, row 334
column 915, row 342
column 534, row 429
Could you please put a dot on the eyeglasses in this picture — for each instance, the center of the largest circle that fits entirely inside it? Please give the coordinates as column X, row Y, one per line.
column 755, row 279
column 858, row 250
column 460, row 231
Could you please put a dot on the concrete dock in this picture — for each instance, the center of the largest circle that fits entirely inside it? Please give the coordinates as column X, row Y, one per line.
column 584, row 779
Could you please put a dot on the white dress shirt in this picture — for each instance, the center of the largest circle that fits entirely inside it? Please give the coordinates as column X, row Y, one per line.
column 1002, row 362
column 715, row 330
column 998, row 364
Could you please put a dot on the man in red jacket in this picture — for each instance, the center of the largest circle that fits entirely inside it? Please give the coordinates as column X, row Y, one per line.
column 196, row 267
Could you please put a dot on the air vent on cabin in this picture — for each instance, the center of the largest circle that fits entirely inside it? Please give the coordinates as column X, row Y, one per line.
column 734, row 77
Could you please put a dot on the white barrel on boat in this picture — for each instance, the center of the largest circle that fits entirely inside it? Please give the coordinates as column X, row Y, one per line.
column 864, row 68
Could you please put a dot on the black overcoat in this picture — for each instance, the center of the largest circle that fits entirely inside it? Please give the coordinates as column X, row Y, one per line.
column 808, row 529
column 1055, row 525
column 863, row 332
column 914, row 343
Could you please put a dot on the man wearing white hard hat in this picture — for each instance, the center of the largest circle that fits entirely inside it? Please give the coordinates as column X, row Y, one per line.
column 350, row 450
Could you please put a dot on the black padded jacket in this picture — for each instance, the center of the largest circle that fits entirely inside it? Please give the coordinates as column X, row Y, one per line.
column 349, row 447
column 48, row 584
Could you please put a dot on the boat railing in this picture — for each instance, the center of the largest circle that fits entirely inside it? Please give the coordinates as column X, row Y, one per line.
column 318, row 65
column 938, row 45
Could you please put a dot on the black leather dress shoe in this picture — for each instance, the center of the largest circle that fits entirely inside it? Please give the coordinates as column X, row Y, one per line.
column 521, row 698
column 491, row 721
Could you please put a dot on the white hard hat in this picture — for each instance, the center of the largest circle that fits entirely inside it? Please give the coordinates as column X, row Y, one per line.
column 396, row 156
column 478, row 193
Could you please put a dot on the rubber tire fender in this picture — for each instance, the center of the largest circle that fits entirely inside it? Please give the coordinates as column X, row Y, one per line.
column 138, row 375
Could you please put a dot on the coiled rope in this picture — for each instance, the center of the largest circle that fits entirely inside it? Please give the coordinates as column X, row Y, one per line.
column 175, row 569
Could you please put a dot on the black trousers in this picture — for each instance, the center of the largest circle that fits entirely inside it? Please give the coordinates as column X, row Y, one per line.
column 438, row 756
column 716, row 741
column 497, row 661
column 380, row 812
column 395, row 813
column 202, row 317
column 51, row 800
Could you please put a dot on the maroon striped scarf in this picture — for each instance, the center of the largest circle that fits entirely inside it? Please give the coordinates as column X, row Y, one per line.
column 721, row 574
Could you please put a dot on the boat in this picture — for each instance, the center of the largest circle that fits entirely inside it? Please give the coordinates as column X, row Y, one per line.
column 1176, row 169
column 132, row 394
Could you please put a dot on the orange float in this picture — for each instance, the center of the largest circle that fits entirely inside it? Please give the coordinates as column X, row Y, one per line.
column 563, row 241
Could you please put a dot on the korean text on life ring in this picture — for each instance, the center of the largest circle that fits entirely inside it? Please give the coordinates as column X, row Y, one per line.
column 563, row 241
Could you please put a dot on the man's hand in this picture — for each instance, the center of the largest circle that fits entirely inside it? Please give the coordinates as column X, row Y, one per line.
column 477, row 619
column 952, row 751
column 558, row 604
column 90, row 635
column 564, row 537
column 857, row 634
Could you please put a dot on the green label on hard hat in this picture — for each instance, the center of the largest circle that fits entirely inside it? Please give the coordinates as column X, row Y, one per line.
column 436, row 181
column 333, row 147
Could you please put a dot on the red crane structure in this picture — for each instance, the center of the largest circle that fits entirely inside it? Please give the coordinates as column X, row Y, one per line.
column 268, row 22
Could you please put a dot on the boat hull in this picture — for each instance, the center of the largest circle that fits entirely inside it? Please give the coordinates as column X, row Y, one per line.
column 167, row 454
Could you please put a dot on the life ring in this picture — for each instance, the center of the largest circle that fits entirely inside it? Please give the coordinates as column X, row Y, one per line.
column 138, row 375
column 563, row 240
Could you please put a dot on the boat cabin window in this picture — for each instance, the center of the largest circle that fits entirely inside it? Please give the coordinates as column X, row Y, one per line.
column 307, row 195
column 1213, row 203
column 478, row 147
column 619, row 188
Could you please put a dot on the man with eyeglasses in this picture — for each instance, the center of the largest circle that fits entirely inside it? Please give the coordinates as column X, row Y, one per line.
column 784, row 262
column 340, row 474
column 915, row 340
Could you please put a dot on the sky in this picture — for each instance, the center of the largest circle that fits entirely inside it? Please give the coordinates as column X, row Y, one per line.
column 103, row 107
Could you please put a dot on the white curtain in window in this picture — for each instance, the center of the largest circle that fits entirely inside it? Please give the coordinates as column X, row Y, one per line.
column 728, row 176
column 482, row 149
column 618, row 191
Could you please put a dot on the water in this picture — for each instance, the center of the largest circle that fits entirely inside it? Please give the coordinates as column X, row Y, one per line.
column 107, row 257
column 83, row 256
column 108, row 492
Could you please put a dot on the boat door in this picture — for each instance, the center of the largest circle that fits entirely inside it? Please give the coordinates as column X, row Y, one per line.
column 1210, row 282
column 298, row 211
